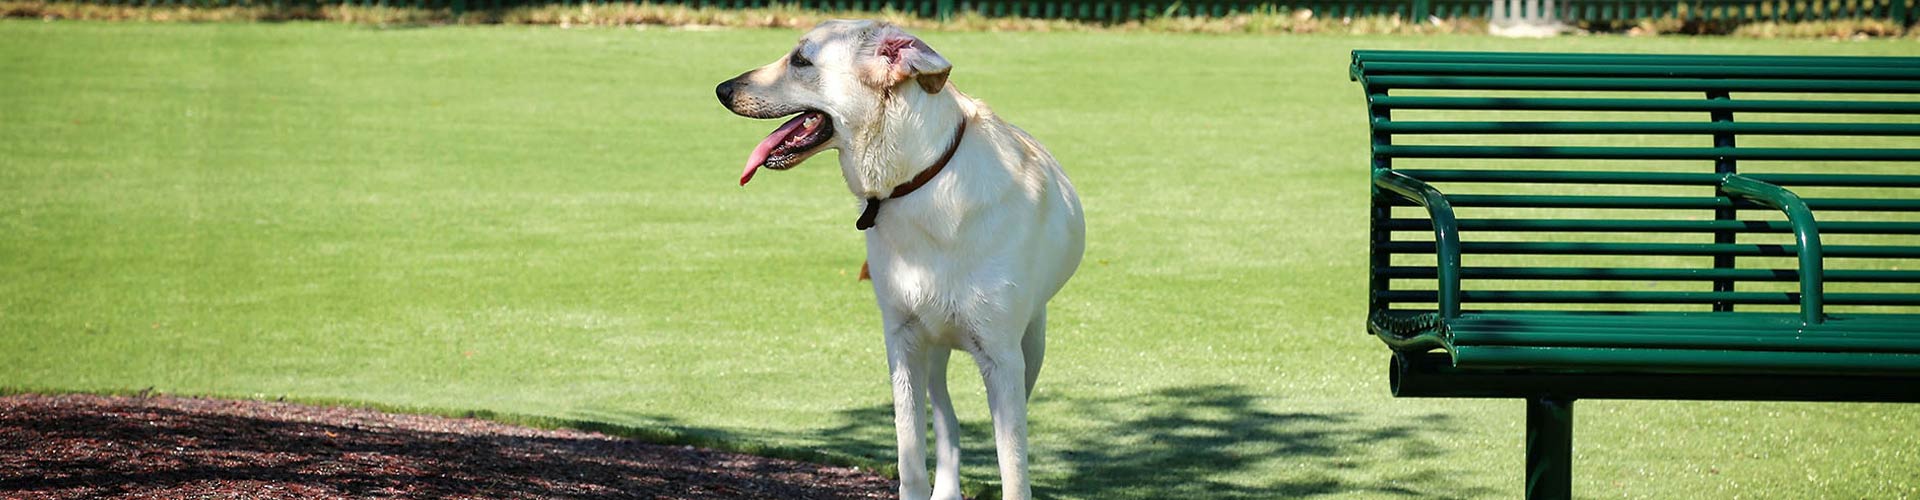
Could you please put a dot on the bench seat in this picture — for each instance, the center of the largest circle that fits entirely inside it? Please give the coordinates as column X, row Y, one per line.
column 1660, row 342
column 1555, row 227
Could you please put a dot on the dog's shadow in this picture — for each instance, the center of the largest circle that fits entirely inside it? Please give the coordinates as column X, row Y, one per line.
column 1208, row 441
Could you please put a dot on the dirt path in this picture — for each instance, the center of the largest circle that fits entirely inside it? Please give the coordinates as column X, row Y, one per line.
column 76, row 446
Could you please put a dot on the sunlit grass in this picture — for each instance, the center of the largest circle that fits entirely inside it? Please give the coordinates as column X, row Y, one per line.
column 544, row 224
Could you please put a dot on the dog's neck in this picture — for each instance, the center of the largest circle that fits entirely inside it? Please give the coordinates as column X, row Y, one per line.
column 913, row 130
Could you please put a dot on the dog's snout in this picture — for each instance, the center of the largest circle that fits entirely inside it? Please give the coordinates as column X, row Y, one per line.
column 725, row 92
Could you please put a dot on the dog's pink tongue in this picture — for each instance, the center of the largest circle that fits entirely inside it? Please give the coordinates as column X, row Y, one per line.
column 760, row 153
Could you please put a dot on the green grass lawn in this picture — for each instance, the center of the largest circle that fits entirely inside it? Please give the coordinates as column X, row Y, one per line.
column 539, row 222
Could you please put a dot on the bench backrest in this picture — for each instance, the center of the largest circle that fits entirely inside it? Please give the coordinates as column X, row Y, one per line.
column 1637, row 182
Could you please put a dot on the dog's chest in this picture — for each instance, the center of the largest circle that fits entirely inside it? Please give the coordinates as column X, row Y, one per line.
column 967, row 252
column 930, row 281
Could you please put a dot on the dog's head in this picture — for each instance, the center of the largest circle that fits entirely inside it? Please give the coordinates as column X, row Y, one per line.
column 840, row 76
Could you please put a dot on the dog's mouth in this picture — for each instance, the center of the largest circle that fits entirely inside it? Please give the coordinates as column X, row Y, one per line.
column 790, row 144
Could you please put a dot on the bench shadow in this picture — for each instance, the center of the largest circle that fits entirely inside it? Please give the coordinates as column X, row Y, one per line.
column 1205, row 441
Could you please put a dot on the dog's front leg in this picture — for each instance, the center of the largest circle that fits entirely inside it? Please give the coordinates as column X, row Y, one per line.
column 946, row 428
column 1005, row 371
column 907, row 360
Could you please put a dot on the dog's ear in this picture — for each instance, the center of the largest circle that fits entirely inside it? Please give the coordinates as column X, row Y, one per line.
column 907, row 57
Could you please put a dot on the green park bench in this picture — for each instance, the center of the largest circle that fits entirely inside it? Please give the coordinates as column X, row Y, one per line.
column 1556, row 227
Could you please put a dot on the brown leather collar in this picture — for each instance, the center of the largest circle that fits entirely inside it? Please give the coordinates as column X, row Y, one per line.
column 873, row 204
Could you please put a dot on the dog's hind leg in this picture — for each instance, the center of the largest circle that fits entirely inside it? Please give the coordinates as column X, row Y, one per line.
column 908, row 363
column 1004, row 369
column 946, row 428
column 1033, row 347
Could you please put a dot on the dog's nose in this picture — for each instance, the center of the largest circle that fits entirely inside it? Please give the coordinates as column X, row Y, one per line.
column 725, row 91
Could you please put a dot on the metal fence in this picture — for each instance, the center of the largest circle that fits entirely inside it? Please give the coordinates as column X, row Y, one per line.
column 1896, row 11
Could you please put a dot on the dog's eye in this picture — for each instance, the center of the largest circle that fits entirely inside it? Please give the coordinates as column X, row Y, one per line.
column 799, row 61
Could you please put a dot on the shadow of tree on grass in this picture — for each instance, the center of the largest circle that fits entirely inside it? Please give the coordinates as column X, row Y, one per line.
column 1217, row 441
column 1206, row 441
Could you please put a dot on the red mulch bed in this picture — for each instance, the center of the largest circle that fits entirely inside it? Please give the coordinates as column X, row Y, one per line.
column 77, row 446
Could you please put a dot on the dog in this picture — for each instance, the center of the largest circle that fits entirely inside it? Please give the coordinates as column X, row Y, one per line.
column 971, row 226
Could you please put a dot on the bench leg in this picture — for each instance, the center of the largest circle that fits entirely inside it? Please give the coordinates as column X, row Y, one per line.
column 1549, row 448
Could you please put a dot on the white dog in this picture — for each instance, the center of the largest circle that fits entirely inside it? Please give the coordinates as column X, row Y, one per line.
column 971, row 225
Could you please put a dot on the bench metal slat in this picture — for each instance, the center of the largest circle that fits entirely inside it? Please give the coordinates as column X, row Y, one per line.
column 1655, row 178
column 1654, row 274
column 1646, row 153
column 1839, row 180
column 1631, row 297
column 1868, row 322
column 1675, row 249
column 1700, row 339
column 1691, row 319
column 1433, row 375
column 1643, row 84
column 1366, row 57
column 1641, row 105
column 1667, row 202
column 1616, row 70
column 1656, row 226
column 1595, row 297
column 1859, row 204
column 1645, row 128
column 1685, row 359
column 1729, row 329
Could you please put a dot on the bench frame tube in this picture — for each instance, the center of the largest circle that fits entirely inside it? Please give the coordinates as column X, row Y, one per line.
column 1806, row 235
column 1549, row 448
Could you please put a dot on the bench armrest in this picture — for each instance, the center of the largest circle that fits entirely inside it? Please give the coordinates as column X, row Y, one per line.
column 1806, row 235
column 1446, row 232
